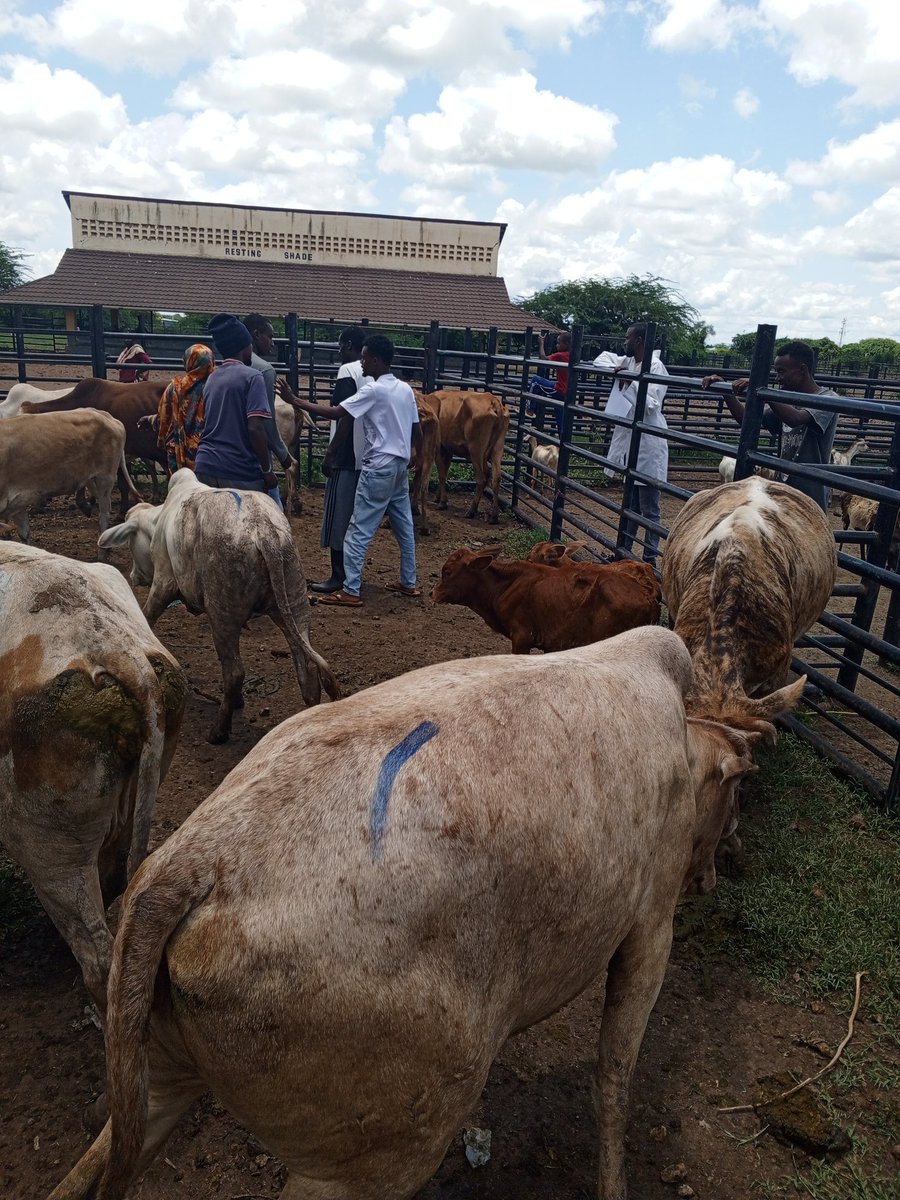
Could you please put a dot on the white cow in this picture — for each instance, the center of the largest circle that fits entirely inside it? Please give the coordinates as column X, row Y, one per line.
column 341, row 938
column 90, row 708
column 20, row 392
column 56, row 454
column 231, row 555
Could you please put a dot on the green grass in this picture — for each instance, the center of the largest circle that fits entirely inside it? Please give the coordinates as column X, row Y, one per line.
column 817, row 903
column 518, row 540
column 825, row 1181
column 820, row 900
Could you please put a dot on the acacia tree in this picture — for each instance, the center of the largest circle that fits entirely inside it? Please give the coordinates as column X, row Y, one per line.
column 12, row 269
column 606, row 307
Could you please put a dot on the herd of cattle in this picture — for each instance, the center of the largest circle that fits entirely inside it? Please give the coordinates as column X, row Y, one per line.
column 338, row 944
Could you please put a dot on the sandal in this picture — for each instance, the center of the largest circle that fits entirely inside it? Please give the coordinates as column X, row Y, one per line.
column 341, row 599
column 403, row 591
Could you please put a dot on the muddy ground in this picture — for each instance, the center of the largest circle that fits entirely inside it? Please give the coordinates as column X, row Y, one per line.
column 710, row 1037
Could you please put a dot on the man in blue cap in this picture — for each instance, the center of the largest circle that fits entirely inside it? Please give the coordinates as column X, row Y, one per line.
column 234, row 447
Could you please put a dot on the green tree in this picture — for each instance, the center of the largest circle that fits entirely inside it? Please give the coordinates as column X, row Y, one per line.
column 12, row 267
column 606, row 307
column 858, row 355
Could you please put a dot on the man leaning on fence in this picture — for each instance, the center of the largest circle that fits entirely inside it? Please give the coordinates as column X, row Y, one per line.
column 807, row 433
column 653, row 455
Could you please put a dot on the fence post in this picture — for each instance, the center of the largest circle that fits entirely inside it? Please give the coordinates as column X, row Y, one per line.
column 520, row 426
column 760, row 368
column 19, row 343
column 98, row 345
column 634, row 443
column 562, row 468
column 879, row 550
column 431, row 349
column 467, row 346
column 291, row 332
column 491, row 355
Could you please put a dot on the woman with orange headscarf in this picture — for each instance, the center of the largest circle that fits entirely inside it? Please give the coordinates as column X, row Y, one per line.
column 181, row 410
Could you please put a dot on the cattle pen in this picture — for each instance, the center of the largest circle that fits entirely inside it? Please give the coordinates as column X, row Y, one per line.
column 852, row 711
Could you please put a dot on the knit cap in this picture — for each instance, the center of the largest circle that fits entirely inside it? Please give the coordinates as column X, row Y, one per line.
column 229, row 334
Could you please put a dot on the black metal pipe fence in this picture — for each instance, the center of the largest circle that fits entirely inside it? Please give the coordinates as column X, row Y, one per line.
column 850, row 655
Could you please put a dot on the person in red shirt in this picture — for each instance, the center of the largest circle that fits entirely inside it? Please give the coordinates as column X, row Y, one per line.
column 542, row 386
column 132, row 353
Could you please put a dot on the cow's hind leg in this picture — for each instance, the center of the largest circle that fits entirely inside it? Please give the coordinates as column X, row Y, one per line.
column 71, row 896
column 226, row 638
column 634, row 978
column 307, row 671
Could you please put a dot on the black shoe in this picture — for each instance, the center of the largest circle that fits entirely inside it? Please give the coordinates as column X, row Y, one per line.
column 327, row 585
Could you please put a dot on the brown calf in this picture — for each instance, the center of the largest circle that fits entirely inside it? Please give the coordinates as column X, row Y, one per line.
column 542, row 607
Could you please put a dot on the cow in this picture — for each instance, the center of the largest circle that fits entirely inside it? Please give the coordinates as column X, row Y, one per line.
column 473, row 425
column 127, row 402
column 547, row 458
column 337, row 942
column 55, row 454
column 545, row 608
column 19, row 393
column 90, row 708
column 291, row 421
column 555, row 554
column 430, row 426
column 231, row 555
column 748, row 568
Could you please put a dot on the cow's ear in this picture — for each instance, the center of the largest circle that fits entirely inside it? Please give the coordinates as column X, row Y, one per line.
column 552, row 553
column 484, row 558
column 573, row 547
column 118, row 535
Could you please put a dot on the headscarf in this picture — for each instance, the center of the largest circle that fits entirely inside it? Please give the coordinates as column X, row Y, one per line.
column 181, row 409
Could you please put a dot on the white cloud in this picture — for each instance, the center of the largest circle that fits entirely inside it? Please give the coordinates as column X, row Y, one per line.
column 746, row 103
column 873, row 234
column 58, row 103
column 504, row 123
column 695, row 24
column 871, row 157
column 851, row 41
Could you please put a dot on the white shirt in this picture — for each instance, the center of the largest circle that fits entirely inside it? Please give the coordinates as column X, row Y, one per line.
column 386, row 409
column 653, row 455
column 353, row 370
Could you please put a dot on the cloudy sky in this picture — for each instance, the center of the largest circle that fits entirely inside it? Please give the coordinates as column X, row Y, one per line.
column 747, row 150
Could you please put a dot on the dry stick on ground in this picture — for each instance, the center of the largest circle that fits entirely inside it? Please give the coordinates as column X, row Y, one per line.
column 812, row 1079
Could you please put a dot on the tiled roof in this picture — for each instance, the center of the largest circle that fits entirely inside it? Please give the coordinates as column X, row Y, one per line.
column 347, row 294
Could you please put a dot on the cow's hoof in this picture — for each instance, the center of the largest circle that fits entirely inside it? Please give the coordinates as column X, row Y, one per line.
column 493, row 519
column 424, row 531
column 216, row 737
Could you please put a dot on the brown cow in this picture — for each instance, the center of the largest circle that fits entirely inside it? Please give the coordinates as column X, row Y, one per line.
column 473, row 425
column 127, row 402
column 542, row 607
column 555, row 554
column 338, row 942
column 430, row 426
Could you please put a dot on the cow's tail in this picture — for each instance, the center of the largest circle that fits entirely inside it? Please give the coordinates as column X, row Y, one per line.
column 154, row 907
column 133, row 493
column 273, row 553
column 167, row 697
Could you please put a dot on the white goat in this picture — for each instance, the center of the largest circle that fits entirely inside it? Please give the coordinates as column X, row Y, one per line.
column 548, row 459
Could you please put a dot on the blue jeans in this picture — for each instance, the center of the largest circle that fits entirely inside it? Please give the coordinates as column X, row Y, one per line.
column 540, row 386
column 275, row 495
column 377, row 493
column 646, row 502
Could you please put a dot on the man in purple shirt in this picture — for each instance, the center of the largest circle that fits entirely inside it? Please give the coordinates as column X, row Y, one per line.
column 234, row 447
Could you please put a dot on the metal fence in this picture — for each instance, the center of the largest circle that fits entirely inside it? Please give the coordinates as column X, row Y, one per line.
column 850, row 655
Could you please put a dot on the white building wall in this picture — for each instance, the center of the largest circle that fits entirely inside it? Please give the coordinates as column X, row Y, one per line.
column 219, row 231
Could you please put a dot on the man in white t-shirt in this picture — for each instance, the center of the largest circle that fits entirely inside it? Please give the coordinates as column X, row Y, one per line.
column 386, row 408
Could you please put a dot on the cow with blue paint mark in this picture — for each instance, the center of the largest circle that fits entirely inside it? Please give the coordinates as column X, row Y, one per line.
column 340, row 939
column 230, row 554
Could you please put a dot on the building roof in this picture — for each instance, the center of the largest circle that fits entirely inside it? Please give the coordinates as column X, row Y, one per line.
column 322, row 293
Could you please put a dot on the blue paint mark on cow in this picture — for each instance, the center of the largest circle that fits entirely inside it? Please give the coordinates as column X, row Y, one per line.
column 237, row 498
column 390, row 766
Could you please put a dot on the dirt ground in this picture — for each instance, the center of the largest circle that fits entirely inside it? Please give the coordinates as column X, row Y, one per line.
column 707, row 1042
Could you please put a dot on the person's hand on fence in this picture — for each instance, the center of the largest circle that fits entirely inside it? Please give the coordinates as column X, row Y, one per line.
column 708, row 380
column 739, row 386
